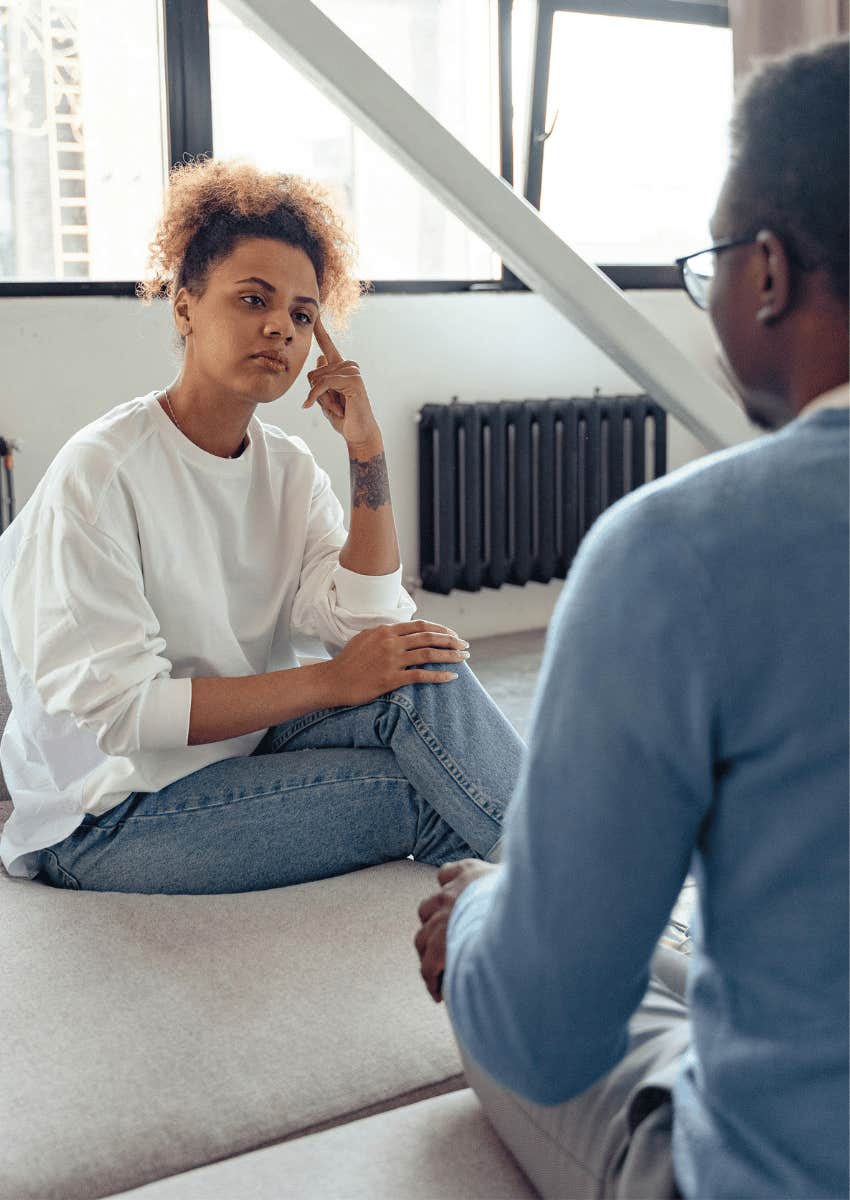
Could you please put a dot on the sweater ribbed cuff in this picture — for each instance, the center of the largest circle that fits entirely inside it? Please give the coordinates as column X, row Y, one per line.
column 470, row 907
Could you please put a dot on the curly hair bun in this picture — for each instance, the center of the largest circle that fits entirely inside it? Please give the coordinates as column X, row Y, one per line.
column 211, row 204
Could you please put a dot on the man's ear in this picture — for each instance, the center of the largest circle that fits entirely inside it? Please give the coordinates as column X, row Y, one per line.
column 181, row 312
column 775, row 292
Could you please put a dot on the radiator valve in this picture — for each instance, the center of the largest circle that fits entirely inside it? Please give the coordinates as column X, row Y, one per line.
column 8, row 447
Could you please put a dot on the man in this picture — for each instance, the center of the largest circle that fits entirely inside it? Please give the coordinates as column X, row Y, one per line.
column 692, row 713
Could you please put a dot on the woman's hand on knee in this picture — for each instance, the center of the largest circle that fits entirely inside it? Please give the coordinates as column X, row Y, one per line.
column 390, row 656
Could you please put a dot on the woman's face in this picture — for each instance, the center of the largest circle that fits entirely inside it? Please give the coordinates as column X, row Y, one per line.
column 251, row 330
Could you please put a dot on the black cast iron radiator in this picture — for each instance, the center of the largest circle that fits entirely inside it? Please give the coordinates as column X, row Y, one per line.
column 507, row 490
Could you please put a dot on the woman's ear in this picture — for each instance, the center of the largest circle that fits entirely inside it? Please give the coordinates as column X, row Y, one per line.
column 182, row 318
column 775, row 289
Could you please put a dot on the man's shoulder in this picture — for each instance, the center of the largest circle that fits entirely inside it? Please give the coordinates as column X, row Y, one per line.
column 719, row 488
column 681, row 498
column 728, row 508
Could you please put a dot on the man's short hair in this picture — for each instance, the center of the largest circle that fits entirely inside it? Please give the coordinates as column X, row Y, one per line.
column 789, row 164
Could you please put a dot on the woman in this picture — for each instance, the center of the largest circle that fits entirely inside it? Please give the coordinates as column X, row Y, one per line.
column 163, row 737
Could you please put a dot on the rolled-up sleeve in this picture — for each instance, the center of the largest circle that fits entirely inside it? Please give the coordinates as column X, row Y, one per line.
column 86, row 635
column 333, row 603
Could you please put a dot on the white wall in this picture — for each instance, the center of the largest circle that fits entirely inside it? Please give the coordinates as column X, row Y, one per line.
column 63, row 361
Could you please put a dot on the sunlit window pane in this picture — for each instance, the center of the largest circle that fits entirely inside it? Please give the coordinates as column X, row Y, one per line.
column 441, row 51
column 639, row 146
column 81, row 146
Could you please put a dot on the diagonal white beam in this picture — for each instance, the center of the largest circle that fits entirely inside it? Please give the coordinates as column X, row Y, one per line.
column 493, row 210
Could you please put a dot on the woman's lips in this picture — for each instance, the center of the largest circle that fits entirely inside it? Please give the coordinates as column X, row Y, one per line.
column 271, row 361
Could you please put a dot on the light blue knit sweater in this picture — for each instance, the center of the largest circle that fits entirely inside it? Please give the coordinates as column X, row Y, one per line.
column 692, row 713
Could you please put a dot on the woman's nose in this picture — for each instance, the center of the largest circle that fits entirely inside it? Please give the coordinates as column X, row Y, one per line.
column 280, row 326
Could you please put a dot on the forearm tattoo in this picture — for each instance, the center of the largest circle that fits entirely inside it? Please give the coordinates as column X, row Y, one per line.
column 369, row 482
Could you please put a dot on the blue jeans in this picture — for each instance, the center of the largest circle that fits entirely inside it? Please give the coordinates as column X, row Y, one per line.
column 426, row 771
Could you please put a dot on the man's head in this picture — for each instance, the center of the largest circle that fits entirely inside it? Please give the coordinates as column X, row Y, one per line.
column 779, row 302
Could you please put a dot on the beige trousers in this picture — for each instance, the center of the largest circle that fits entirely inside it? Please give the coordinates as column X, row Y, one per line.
column 613, row 1140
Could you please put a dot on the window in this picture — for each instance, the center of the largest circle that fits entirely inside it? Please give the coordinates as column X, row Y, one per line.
column 634, row 140
column 81, row 145
column 444, row 53
column 610, row 115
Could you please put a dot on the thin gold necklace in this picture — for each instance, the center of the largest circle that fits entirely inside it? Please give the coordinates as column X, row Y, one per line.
column 171, row 413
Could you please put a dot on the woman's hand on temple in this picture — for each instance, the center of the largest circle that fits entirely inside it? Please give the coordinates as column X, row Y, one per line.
column 337, row 386
column 388, row 657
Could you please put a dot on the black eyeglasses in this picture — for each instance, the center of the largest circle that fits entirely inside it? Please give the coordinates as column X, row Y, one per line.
column 697, row 269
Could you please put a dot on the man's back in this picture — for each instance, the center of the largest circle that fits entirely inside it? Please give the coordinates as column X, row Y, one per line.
column 766, row 1086
column 722, row 734
column 692, row 712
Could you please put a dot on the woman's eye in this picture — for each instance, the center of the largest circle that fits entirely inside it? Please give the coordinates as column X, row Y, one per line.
column 303, row 318
column 249, row 298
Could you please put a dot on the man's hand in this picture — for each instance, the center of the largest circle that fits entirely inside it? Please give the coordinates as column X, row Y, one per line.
column 434, row 913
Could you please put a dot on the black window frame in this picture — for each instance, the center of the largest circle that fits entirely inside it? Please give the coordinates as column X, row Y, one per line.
column 188, row 98
column 689, row 12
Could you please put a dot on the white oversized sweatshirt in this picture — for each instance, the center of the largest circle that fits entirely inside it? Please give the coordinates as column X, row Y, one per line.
column 140, row 563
